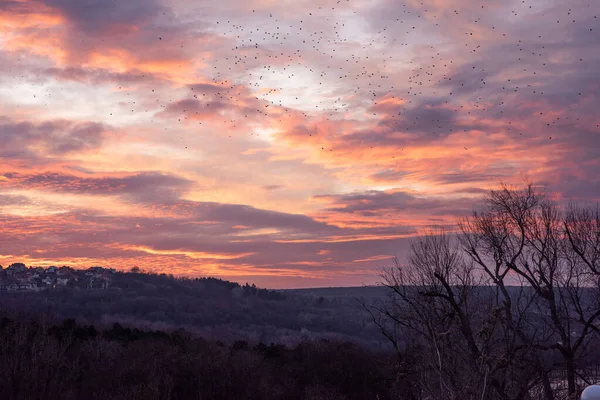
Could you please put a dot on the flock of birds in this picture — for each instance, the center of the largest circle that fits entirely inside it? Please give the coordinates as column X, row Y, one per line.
column 315, row 50
column 276, row 63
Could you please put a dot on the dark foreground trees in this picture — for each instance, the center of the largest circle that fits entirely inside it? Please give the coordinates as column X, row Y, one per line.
column 42, row 360
column 506, row 308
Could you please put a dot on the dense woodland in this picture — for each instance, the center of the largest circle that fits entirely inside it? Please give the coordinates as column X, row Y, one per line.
column 41, row 359
column 211, row 308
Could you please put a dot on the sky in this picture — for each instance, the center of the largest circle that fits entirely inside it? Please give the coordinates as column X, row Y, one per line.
column 285, row 143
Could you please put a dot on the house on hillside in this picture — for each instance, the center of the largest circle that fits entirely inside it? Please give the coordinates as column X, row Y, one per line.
column 98, row 281
column 20, row 286
column 26, row 276
column 68, row 273
column 96, row 270
column 62, row 281
column 16, row 268
column 64, row 271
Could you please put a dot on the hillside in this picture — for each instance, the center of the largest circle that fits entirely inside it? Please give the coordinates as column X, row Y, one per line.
column 207, row 307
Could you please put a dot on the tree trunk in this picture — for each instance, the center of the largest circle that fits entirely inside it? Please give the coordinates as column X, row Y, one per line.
column 547, row 387
column 571, row 386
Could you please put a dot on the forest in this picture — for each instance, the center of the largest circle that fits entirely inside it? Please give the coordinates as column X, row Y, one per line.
column 42, row 359
column 210, row 307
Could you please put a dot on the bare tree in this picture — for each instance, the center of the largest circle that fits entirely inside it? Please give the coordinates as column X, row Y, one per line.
column 553, row 252
column 437, row 306
column 503, row 306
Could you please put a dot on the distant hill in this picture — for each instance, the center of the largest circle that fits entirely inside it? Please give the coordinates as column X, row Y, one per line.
column 207, row 307
column 367, row 292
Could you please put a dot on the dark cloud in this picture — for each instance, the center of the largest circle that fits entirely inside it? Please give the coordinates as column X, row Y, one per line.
column 491, row 174
column 255, row 218
column 193, row 108
column 401, row 126
column 389, row 175
column 96, row 16
column 13, row 200
column 79, row 137
column 51, row 138
column 375, row 203
column 273, row 187
column 470, row 78
column 428, row 117
column 203, row 89
column 97, row 76
column 141, row 187
column 209, row 101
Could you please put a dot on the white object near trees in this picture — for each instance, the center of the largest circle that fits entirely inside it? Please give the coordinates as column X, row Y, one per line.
column 591, row 393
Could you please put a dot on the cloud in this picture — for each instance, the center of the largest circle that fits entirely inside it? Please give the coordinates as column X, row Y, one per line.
column 273, row 187
column 390, row 212
column 142, row 187
column 218, row 103
column 97, row 76
column 100, row 16
column 24, row 139
column 256, row 218
column 7, row 200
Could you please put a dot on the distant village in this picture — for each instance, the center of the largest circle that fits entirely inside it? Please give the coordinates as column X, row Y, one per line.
column 18, row 277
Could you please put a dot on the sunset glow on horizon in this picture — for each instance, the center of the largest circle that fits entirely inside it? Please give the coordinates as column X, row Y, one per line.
column 289, row 144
